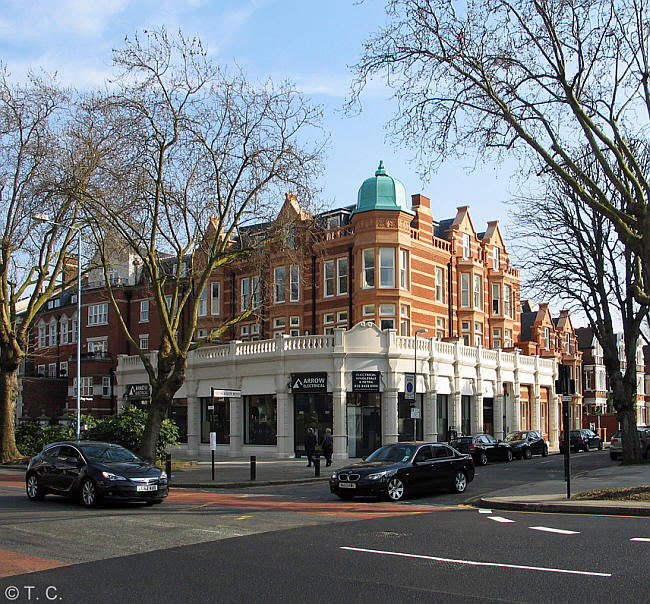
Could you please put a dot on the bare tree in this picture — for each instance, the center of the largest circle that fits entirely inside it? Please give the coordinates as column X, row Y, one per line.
column 191, row 155
column 34, row 165
column 542, row 78
column 570, row 253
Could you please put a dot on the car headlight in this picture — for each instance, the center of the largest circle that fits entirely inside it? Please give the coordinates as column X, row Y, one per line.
column 380, row 475
column 334, row 475
column 111, row 476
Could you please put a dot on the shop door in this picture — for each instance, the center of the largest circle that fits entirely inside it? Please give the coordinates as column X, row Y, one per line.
column 311, row 411
column 443, row 416
column 488, row 415
column 363, row 423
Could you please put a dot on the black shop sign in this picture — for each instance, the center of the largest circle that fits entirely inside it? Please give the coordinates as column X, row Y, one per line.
column 309, row 382
column 365, row 381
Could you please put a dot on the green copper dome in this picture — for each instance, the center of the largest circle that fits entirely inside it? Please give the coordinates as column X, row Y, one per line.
column 381, row 192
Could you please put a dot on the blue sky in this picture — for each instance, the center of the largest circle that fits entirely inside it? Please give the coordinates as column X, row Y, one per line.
column 310, row 43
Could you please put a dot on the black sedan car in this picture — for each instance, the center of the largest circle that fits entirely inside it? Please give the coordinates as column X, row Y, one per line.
column 93, row 471
column 527, row 443
column 393, row 471
column 483, row 448
column 582, row 440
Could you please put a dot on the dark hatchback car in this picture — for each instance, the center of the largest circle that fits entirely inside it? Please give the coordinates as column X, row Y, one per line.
column 393, row 471
column 483, row 448
column 92, row 471
column 582, row 440
column 526, row 443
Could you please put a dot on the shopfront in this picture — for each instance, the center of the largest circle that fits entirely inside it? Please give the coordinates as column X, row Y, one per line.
column 363, row 422
column 409, row 417
column 524, row 403
column 312, row 407
column 215, row 417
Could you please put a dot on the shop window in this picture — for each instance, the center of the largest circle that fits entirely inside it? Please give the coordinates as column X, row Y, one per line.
column 260, row 419
column 215, row 417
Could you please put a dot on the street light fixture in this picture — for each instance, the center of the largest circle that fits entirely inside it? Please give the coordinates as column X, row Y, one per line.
column 45, row 218
column 415, row 381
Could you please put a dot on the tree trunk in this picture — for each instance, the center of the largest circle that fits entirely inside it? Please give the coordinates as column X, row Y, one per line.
column 8, row 396
column 161, row 399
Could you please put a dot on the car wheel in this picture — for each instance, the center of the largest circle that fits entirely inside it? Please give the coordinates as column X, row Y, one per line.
column 482, row 460
column 587, row 448
column 600, row 445
column 545, row 451
column 345, row 495
column 508, row 455
column 89, row 495
column 528, row 453
column 34, row 489
column 396, row 489
column 460, row 482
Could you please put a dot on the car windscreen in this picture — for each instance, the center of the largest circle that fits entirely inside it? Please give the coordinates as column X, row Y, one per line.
column 108, row 454
column 394, row 453
column 515, row 436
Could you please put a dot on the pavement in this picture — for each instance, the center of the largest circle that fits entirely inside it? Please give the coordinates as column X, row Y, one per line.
column 540, row 496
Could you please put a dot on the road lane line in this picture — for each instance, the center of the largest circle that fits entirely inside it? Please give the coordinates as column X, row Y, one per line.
column 500, row 519
column 640, row 539
column 553, row 530
column 483, row 511
column 476, row 563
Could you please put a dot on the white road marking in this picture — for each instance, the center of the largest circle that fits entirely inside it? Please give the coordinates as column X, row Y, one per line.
column 500, row 519
column 483, row 511
column 640, row 539
column 553, row 530
column 476, row 563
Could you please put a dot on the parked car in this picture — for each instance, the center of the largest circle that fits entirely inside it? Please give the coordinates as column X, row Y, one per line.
column 394, row 471
column 526, row 443
column 616, row 443
column 582, row 440
column 92, row 471
column 483, row 448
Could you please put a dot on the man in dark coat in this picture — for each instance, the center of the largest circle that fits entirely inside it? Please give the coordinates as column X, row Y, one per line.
column 328, row 446
column 310, row 445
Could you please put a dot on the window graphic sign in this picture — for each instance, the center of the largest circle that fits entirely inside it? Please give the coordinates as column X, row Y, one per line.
column 365, row 381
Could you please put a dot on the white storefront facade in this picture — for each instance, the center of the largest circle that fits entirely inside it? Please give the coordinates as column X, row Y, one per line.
column 259, row 397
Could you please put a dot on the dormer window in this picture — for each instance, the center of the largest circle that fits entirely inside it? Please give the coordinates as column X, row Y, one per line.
column 466, row 246
column 495, row 258
column 547, row 338
column 334, row 222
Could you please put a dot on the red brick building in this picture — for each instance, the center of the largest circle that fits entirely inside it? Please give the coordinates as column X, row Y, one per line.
column 382, row 260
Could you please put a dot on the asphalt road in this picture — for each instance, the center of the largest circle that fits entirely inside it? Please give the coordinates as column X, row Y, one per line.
column 285, row 543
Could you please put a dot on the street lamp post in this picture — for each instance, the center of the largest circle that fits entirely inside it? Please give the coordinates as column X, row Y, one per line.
column 46, row 218
column 415, row 381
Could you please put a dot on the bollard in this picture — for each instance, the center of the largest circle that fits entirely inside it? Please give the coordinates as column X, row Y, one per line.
column 168, row 467
column 316, row 466
column 253, row 460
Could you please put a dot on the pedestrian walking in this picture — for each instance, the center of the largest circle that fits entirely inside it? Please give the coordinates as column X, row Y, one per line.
column 310, row 445
column 328, row 446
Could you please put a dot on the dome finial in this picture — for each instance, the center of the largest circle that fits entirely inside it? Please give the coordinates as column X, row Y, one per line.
column 381, row 171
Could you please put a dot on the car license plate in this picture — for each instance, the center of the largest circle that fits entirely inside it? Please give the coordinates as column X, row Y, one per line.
column 147, row 487
column 347, row 485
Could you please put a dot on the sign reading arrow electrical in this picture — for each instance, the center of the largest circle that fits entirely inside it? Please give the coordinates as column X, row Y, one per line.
column 309, row 382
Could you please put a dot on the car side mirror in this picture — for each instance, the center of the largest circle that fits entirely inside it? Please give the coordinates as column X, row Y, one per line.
column 364, row 458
